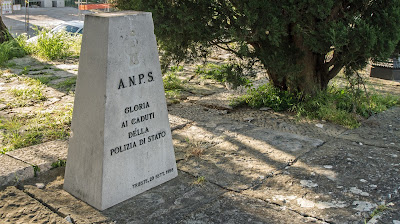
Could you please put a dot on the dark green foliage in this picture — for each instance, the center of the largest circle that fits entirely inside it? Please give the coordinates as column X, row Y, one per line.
column 230, row 73
column 302, row 43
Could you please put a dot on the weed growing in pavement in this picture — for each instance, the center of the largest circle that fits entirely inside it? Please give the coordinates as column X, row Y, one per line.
column 30, row 93
column 342, row 106
column 67, row 85
column 59, row 163
column 36, row 170
column 376, row 211
column 226, row 73
column 200, row 180
column 22, row 131
column 46, row 79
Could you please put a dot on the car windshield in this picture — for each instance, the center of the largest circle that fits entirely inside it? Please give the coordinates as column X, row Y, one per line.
column 67, row 28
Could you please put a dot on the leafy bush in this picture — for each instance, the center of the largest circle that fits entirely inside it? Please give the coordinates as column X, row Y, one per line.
column 230, row 73
column 51, row 46
column 9, row 50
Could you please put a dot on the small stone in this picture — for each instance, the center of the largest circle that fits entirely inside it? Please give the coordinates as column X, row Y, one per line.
column 394, row 156
column 328, row 166
column 319, row 125
column 373, row 186
column 312, row 174
column 262, row 177
column 40, row 185
column 364, row 194
column 392, row 143
column 69, row 219
column 265, row 108
column 363, row 181
column 248, row 119
column 308, row 183
column 396, row 222
column 360, row 143
column 364, row 206
column 304, row 203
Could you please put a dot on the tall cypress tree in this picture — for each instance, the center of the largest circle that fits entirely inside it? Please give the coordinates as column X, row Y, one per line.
column 301, row 43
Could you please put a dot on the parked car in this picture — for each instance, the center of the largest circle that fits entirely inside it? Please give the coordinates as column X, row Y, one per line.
column 73, row 27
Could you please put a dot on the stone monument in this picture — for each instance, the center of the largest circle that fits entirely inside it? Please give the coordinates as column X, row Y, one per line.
column 121, row 142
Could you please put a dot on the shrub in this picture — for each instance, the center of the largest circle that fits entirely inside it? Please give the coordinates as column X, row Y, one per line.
column 9, row 50
column 52, row 46
column 227, row 73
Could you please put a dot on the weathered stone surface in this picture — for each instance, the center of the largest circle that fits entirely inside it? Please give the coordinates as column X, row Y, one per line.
column 338, row 182
column 220, row 101
column 288, row 124
column 236, row 208
column 381, row 130
column 18, row 207
column 235, row 154
column 12, row 170
column 167, row 203
column 65, row 204
column 42, row 155
column 177, row 122
column 121, row 144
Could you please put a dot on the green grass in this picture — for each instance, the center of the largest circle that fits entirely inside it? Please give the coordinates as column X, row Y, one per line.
column 9, row 50
column 23, row 131
column 46, row 79
column 172, row 82
column 52, row 46
column 67, row 85
column 172, row 86
column 339, row 105
column 30, row 93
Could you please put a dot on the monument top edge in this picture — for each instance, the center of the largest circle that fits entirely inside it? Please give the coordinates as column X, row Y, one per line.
column 118, row 14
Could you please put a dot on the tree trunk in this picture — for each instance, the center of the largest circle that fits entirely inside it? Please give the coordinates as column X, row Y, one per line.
column 4, row 34
column 314, row 75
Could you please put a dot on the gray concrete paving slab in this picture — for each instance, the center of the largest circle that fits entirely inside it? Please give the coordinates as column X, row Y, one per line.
column 12, row 170
column 42, row 155
column 167, row 203
column 236, row 155
column 32, row 212
column 236, row 208
column 381, row 130
column 340, row 182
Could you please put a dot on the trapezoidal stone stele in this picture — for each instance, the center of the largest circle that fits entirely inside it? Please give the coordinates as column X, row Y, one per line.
column 121, row 144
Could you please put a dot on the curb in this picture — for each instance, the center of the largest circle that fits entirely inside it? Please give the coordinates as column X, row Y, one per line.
column 25, row 163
